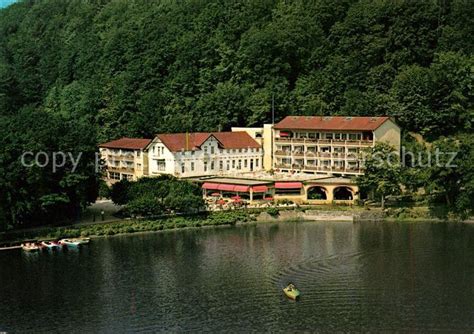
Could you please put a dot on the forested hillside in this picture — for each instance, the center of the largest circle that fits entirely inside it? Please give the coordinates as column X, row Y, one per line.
column 75, row 73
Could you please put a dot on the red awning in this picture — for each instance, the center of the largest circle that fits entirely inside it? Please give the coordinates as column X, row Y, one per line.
column 211, row 186
column 226, row 187
column 284, row 134
column 242, row 189
column 259, row 189
column 288, row 185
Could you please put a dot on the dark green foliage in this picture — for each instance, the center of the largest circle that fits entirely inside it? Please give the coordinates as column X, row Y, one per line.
column 274, row 212
column 451, row 181
column 76, row 73
column 120, row 192
column 142, row 67
column 155, row 196
column 382, row 172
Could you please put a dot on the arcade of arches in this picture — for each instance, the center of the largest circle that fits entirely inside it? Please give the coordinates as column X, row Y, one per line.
column 329, row 193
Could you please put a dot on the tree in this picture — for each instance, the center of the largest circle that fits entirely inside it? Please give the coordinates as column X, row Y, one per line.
column 451, row 177
column 382, row 172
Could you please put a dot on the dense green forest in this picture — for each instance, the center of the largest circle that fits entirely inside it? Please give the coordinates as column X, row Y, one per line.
column 75, row 73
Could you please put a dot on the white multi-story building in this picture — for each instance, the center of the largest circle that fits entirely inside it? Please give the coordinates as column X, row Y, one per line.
column 203, row 153
column 329, row 145
column 125, row 158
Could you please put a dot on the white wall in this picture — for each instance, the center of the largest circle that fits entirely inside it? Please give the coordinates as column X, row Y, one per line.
column 209, row 153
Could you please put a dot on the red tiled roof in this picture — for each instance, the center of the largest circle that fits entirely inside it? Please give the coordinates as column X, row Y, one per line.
column 229, row 140
column 239, row 139
column 330, row 123
column 127, row 143
column 177, row 141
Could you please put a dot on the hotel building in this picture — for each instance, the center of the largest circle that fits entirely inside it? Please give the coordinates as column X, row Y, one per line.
column 125, row 158
column 203, row 154
column 329, row 145
column 308, row 159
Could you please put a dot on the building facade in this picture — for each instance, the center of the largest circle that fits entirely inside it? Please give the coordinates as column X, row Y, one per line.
column 201, row 154
column 329, row 145
column 312, row 159
column 124, row 158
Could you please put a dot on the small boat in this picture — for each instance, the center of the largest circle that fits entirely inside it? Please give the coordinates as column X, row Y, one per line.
column 51, row 244
column 292, row 292
column 30, row 247
column 74, row 242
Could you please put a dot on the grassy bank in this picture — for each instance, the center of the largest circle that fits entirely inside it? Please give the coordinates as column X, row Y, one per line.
column 400, row 214
column 128, row 226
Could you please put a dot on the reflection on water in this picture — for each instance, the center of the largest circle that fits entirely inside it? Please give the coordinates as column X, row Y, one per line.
column 358, row 277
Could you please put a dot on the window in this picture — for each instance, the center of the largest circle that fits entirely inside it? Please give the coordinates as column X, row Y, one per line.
column 244, row 150
column 212, row 165
column 338, row 136
column 205, row 166
column 228, row 165
column 212, row 149
column 245, row 163
column 354, row 136
column 233, row 164
column 161, row 165
column 127, row 176
column 239, row 166
column 153, row 149
column 221, row 165
column 328, row 135
column 182, row 168
column 192, row 166
column 162, row 150
column 256, row 162
column 138, row 153
column 205, row 149
column 114, row 176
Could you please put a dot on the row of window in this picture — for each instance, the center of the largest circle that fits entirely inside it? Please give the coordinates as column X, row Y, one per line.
column 160, row 150
column 239, row 150
column 126, row 152
column 324, row 149
column 237, row 164
column 324, row 163
column 119, row 176
column 331, row 135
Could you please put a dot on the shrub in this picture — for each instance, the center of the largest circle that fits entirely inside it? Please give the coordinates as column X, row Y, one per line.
column 272, row 211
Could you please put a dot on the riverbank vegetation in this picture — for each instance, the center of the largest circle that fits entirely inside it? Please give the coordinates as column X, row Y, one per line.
column 77, row 73
column 439, row 176
column 154, row 196
column 129, row 226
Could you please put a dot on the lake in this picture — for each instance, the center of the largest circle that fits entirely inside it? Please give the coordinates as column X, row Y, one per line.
column 355, row 277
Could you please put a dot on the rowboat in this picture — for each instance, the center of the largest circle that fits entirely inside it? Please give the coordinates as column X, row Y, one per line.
column 51, row 244
column 30, row 247
column 291, row 292
column 74, row 242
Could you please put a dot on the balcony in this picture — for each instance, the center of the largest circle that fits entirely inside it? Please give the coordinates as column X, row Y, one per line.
column 282, row 153
column 335, row 142
column 120, row 169
column 283, row 166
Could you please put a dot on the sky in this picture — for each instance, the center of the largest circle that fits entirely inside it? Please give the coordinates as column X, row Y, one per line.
column 5, row 3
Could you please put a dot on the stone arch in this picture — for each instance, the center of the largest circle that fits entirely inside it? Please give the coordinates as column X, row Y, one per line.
column 317, row 193
column 343, row 193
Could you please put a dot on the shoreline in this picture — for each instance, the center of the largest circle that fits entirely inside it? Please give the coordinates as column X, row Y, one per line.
column 214, row 219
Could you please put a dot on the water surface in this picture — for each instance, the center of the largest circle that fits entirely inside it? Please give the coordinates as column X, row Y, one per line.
column 354, row 277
